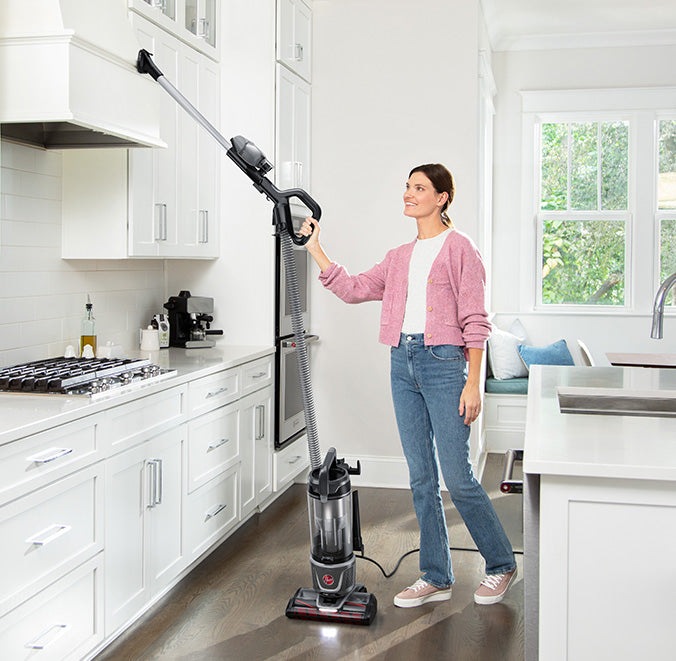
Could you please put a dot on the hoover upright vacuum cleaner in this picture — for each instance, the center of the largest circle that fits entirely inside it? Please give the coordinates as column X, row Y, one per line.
column 333, row 506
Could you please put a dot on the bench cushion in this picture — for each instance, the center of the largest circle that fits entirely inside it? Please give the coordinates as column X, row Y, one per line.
column 507, row 386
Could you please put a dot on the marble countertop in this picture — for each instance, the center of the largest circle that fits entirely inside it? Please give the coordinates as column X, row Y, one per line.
column 611, row 446
column 24, row 414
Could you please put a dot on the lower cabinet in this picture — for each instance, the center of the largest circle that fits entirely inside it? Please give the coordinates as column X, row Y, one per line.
column 144, row 545
column 63, row 621
column 210, row 512
column 289, row 462
column 255, row 448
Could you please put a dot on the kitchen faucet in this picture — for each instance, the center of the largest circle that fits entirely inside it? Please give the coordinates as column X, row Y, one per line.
column 658, row 306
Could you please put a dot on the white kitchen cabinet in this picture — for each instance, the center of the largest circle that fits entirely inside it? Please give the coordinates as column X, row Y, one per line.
column 294, row 37
column 293, row 143
column 192, row 21
column 161, row 203
column 210, row 512
column 213, row 444
column 65, row 621
column 49, row 532
column 256, row 449
column 289, row 462
column 144, row 544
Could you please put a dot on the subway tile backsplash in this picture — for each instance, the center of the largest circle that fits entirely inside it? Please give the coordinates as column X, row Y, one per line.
column 42, row 297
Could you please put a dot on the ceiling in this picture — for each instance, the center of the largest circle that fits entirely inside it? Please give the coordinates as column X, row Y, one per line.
column 536, row 24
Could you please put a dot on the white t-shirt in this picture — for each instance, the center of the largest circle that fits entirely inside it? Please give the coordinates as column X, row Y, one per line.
column 425, row 252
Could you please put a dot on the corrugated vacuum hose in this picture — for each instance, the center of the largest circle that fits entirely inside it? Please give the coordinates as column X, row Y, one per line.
column 301, row 349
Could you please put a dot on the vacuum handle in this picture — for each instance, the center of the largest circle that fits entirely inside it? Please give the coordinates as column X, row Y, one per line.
column 325, row 474
column 283, row 210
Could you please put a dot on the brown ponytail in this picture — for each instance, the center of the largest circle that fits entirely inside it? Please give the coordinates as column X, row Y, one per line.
column 442, row 180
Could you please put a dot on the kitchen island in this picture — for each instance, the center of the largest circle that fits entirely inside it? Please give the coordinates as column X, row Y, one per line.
column 599, row 521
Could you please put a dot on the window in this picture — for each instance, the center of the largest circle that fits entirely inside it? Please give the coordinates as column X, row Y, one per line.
column 584, row 212
column 599, row 195
column 666, row 201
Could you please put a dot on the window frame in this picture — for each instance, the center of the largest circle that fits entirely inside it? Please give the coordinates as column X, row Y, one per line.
column 642, row 108
column 625, row 216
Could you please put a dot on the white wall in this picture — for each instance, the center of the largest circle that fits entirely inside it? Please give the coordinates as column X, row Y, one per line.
column 563, row 69
column 42, row 297
column 394, row 85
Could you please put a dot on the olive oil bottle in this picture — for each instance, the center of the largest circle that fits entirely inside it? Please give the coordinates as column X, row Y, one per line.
column 88, row 328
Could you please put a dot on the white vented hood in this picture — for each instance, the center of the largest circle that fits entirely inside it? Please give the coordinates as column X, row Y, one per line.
column 68, row 77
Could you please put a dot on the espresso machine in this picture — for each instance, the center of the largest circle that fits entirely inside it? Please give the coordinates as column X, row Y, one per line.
column 190, row 320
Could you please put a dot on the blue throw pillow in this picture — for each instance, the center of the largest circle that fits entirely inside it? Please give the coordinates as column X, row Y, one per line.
column 552, row 354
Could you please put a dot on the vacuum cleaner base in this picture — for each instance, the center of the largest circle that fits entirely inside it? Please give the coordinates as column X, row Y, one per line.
column 359, row 608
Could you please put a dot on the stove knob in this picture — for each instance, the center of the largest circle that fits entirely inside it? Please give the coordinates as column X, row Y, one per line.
column 105, row 383
column 94, row 386
column 126, row 377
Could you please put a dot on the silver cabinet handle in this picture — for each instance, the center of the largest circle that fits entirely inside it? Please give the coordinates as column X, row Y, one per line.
column 152, row 479
column 509, row 485
column 161, row 225
column 45, row 456
column 47, row 637
column 298, row 52
column 155, row 483
column 48, row 535
column 204, row 226
column 260, row 422
column 295, row 459
column 217, row 392
column 217, row 444
column 214, row 511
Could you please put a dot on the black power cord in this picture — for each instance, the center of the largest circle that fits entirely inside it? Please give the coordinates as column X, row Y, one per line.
column 393, row 572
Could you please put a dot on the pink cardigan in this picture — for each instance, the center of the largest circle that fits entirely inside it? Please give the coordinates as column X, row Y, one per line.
column 456, row 312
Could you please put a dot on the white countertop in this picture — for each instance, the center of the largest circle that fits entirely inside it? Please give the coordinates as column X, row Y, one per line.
column 613, row 446
column 23, row 414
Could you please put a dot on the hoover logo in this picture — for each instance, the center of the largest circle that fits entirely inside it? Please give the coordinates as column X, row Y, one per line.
column 328, row 579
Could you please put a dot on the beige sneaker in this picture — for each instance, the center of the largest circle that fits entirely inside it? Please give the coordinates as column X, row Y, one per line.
column 494, row 587
column 420, row 593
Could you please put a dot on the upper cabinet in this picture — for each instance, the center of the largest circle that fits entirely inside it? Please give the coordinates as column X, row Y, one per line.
column 151, row 202
column 294, row 37
column 192, row 21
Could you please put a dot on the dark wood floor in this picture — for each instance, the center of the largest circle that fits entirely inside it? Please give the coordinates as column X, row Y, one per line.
column 231, row 607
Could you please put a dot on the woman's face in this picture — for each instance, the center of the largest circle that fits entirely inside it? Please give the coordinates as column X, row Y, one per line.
column 420, row 198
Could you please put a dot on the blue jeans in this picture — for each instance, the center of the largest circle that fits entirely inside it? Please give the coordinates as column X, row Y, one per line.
column 426, row 387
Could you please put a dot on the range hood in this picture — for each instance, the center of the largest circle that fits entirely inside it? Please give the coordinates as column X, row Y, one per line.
column 68, row 77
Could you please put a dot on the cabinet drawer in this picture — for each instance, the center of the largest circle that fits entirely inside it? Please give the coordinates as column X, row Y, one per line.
column 34, row 461
column 210, row 392
column 210, row 512
column 213, row 444
column 137, row 421
column 48, row 533
column 256, row 375
column 289, row 462
column 65, row 621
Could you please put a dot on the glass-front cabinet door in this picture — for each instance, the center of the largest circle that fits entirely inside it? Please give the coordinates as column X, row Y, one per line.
column 192, row 21
column 200, row 19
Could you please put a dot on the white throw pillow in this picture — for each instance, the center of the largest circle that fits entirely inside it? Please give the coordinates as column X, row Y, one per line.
column 503, row 352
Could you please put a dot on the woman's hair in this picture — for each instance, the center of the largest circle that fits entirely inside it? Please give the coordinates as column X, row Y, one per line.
column 442, row 180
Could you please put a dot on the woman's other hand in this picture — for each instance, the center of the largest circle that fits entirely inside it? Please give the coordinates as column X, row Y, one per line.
column 470, row 402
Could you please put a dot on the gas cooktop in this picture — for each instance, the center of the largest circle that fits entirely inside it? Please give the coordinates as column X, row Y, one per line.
column 89, row 377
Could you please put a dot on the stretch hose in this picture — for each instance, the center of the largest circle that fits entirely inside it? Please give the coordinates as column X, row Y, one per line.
column 301, row 350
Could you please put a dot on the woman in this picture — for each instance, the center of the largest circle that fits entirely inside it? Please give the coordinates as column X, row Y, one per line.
column 434, row 318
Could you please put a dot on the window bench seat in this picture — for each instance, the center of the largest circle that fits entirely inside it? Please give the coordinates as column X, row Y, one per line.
column 505, row 413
